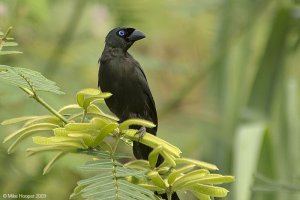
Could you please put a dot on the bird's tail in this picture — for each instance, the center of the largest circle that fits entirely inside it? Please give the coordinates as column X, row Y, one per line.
column 142, row 151
column 174, row 196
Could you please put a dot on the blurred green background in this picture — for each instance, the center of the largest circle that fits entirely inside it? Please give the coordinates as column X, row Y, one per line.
column 224, row 74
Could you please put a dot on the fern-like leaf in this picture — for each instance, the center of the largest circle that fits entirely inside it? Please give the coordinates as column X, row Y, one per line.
column 110, row 183
column 29, row 79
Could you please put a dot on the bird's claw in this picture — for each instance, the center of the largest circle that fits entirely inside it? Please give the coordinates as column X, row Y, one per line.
column 141, row 133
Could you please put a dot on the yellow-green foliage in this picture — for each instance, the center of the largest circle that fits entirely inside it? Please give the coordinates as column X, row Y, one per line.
column 88, row 131
column 85, row 128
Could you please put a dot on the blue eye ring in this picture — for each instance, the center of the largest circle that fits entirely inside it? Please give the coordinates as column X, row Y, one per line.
column 121, row 33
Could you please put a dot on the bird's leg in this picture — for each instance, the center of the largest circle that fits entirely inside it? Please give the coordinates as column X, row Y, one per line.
column 142, row 132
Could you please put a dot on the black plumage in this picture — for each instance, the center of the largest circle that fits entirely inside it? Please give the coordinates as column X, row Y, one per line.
column 121, row 75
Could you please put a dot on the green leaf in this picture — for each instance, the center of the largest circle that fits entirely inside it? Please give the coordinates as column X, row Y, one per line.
column 201, row 196
column 152, row 187
column 109, row 184
column 105, row 146
column 97, row 153
column 152, row 141
column 130, row 192
column 104, row 193
column 120, row 156
column 40, row 149
column 207, row 179
column 183, row 180
column 22, row 137
column 87, row 93
column 179, row 172
column 48, row 167
column 87, row 101
column 99, row 123
column 125, row 172
column 69, row 107
column 102, row 115
column 79, row 126
column 60, row 132
column 96, row 111
column 95, row 179
column 44, row 119
column 87, row 138
column 35, row 127
column 215, row 179
column 75, row 116
column 246, row 155
column 153, row 156
column 105, row 132
column 100, row 185
column 60, row 141
column 209, row 190
column 169, row 158
column 77, row 191
column 138, row 164
column 10, row 44
column 157, row 179
column 125, row 125
column 28, row 79
column 136, row 187
column 9, row 52
column 17, row 120
column 98, row 165
column 98, row 101
column 197, row 163
column 271, row 66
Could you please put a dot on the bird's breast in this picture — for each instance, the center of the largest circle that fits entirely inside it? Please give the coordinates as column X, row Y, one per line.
column 119, row 78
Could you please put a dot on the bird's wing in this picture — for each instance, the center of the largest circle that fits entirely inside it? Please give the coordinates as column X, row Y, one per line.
column 146, row 89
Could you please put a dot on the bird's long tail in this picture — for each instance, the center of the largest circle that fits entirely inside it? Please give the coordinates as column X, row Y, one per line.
column 174, row 196
column 142, row 151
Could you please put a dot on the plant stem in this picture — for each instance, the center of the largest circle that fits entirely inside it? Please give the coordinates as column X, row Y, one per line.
column 169, row 196
column 116, row 145
column 83, row 116
column 7, row 33
column 48, row 107
column 43, row 103
column 114, row 172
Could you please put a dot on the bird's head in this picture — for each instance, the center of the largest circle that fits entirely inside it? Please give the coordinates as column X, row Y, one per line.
column 123, row 38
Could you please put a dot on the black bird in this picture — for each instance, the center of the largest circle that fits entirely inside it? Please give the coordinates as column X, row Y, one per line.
column 121, row 75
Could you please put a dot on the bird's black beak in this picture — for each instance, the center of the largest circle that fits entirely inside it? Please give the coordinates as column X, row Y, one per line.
column 136, row 35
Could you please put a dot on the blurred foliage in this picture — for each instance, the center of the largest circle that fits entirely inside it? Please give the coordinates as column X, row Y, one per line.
column 84, row 128
column 227, row 70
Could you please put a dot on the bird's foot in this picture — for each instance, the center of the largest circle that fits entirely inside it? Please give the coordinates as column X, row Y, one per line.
column 141, row 133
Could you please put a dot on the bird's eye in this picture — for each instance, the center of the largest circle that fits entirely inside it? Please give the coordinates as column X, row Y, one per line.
column 121, row 33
